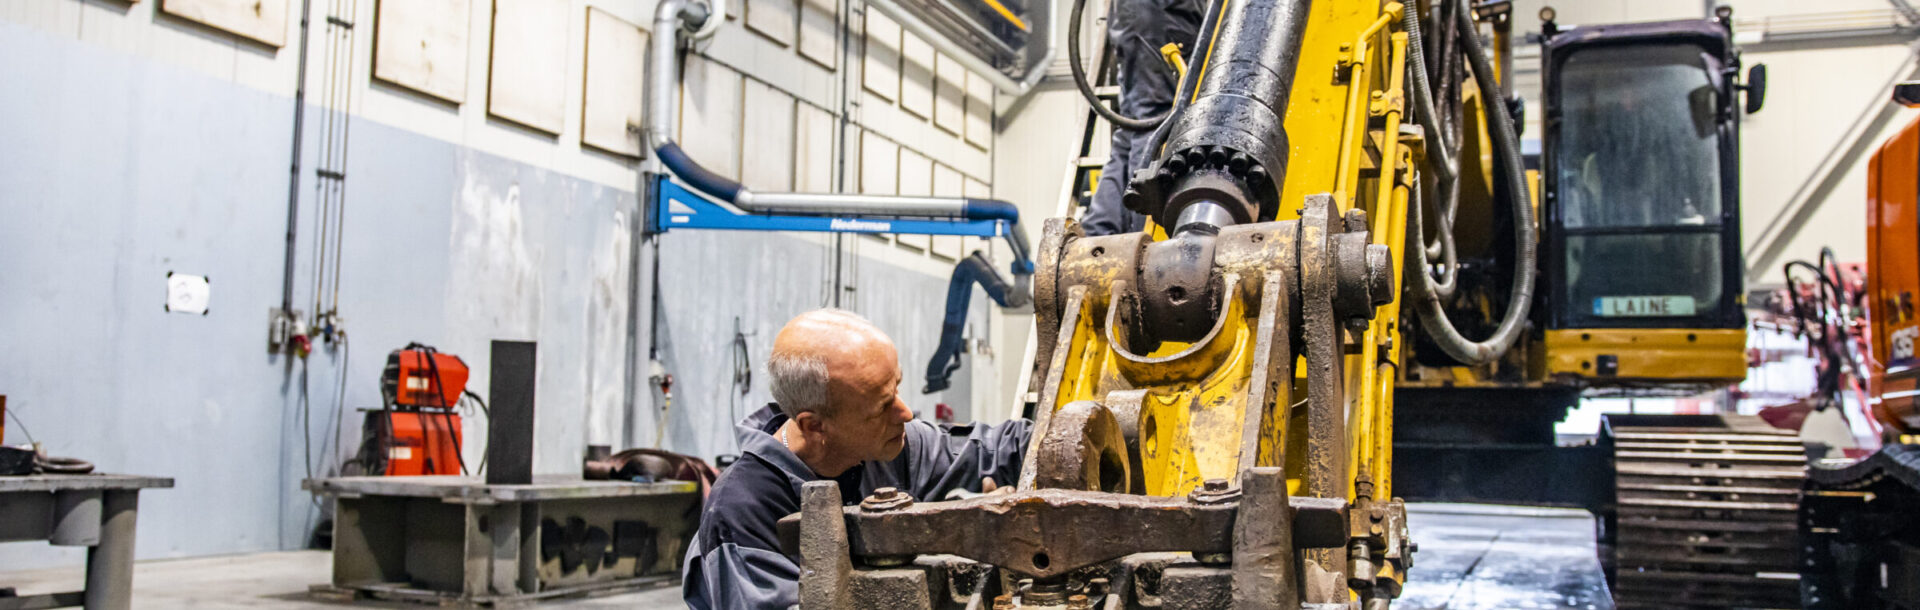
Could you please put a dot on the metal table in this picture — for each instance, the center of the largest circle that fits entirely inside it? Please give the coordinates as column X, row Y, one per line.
column 91, row 510
column 455, row 539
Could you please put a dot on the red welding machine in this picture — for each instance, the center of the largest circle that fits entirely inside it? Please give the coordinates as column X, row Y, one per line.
column 417, row 432
column 420, row 376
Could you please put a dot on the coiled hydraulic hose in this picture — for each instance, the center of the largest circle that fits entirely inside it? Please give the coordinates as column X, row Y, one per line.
column 1440, row 150
column 1433, row 316
column 1086, row 90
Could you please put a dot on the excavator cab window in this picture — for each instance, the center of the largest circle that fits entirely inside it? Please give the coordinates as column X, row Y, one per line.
column 1642, row 220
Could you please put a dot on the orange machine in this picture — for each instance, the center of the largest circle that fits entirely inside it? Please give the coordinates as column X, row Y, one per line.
column 1893, row 263
column 417, row 432
column 420, row 376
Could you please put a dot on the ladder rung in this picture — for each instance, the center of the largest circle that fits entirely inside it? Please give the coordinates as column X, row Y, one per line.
column 1107, row 93
column 1090, row 162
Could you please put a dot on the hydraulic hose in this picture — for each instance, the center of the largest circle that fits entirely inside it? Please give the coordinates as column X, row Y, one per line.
column 1086, row 90
column 1443, row 287
column 1433, row 315
column 1439, row 148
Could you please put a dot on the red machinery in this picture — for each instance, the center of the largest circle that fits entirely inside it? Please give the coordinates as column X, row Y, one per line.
column 418, row 431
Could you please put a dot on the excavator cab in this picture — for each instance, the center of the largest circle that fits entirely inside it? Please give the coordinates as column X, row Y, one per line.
column 1640, row 202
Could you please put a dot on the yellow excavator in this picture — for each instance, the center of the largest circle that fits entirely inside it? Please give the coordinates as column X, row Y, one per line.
column 1216, row 396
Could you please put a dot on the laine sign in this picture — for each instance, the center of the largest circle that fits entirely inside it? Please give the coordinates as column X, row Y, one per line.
column 1622, row 307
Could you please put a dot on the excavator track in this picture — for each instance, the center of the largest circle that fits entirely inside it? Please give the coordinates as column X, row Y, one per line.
column 1706, row 512
column 1861, row 542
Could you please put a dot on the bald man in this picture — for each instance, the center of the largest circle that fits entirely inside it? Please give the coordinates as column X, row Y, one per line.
column 836, row 415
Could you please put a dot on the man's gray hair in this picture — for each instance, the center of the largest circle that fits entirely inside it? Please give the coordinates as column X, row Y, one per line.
column 798, row 382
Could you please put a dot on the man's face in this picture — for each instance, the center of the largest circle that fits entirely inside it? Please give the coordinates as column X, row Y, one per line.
column 868, row 421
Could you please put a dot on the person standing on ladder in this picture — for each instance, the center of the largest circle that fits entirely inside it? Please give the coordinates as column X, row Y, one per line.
column 1137, row 30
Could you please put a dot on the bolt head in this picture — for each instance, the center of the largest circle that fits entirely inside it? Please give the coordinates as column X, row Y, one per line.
column 1214, row 485
column 885, row 493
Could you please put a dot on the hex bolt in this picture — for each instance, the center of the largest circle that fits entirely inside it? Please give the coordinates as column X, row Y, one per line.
column 885, row 499
column 1214, row 485
column 1078, row 602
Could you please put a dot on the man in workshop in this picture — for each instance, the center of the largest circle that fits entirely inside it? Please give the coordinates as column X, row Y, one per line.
column 836, row 415
column 1136, row 30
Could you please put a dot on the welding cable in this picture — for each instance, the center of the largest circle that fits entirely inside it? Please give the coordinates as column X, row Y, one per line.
column 1433, row 315
column 20, row 424
column 488, row 413
column 438, row 387
column 1086, row 90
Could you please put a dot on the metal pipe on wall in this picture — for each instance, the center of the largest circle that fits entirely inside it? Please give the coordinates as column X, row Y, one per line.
column 1000, row 80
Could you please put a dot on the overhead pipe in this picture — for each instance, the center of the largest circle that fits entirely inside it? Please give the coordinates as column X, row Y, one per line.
column 913, row 23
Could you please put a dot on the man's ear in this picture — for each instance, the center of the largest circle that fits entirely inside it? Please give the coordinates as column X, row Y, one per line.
column 809, row 422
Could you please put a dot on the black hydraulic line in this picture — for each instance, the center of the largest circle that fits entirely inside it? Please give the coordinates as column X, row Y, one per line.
column 1433, row 315
column 1086, row 90
column 974, row 269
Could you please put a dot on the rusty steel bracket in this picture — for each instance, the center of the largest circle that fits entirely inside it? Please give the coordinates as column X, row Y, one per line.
column 1048, row 532
column 1084, row 449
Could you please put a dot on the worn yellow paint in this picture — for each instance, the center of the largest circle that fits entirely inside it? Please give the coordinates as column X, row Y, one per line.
column 1674, row 354
column 1343, row 131
column 1317, row 109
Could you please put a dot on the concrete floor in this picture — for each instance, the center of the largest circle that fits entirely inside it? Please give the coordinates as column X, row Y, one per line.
column 1500, row 557
column 1471, row 557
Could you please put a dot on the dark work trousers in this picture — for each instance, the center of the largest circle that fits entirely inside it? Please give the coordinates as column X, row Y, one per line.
column 1136, row 29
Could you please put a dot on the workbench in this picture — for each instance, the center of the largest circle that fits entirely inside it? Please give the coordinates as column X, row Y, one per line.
column 449, row 539
column 91, row 510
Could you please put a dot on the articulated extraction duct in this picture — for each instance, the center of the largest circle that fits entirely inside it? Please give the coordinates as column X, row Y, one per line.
column 662, row 109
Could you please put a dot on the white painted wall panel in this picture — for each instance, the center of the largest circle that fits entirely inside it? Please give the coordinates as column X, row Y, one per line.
column 916, row 76
column 879, row 170
column 879, row 165
column 819, row 37
column 949, row 94
column 615, row 89
column 916, row 178
column 529, row 64
column 947, row 182
column 422, row 45
column 263, row 21
column 775, row 19
column 710, row 116
column 979, row 111
column 880, row 70
column 768, row 164
column 813, row 150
